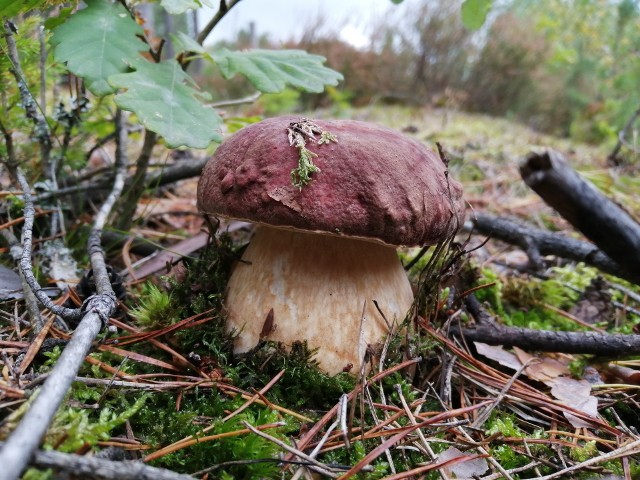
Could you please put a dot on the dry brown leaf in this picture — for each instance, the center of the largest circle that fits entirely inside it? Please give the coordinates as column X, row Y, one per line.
column 498, row 354
column 544, row 370
column 575, row 394
column 472, row 468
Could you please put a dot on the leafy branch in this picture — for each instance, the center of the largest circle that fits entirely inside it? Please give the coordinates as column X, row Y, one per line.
column 102, row 44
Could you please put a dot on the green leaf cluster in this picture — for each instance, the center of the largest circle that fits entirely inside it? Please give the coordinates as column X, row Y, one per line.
column 164, row 98
column 102, row 44
column 98, row 41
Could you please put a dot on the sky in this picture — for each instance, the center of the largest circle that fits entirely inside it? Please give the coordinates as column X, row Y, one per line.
column 287, row 19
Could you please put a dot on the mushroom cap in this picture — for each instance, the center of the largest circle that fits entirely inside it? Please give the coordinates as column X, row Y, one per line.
column 374, row 183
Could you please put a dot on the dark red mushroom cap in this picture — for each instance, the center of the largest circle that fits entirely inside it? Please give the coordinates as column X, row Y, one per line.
column 374, row 183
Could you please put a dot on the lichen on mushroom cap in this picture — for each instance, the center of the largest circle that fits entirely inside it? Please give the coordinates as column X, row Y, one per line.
column 324, row 250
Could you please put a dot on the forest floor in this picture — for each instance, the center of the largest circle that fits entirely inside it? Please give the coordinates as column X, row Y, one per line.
column 163, row 387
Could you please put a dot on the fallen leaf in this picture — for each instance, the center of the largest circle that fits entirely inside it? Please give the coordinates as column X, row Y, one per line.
column 576, row 394
column 544, row 370
column 470, row 469
column 10, row 284
column 498, row 354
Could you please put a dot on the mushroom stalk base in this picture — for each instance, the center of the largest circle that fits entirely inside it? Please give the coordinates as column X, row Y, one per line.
column 322, row 289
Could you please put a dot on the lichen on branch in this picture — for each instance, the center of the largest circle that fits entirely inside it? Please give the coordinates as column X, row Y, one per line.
column 299, row 133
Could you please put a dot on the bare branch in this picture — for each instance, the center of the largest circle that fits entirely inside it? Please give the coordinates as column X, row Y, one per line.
column 537, row 242
column 42, row 131
column 613, row 156
column 10, row 161
column 601, row 220
column 25, row 262
column 238, row 101
column 223, row 9
column 136, row 184
column 101, row 468
column 488, row 331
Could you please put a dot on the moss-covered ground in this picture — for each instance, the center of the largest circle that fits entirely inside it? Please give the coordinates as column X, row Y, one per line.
column 164, row 386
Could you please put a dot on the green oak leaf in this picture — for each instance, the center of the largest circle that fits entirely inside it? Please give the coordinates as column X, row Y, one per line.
column 271, row 70
column 163, row 97
column 11, row 8
column 474, row 13
column 97, row 42
column 184, row 43
column 52, row 22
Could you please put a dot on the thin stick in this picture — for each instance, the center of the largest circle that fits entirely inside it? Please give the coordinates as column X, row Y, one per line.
column 624, row 451
column 314, row 464
column 222, row 11
column 208, row 438
column 323, row 440
column 413, row 421
column 30, row 105
column 25, row 261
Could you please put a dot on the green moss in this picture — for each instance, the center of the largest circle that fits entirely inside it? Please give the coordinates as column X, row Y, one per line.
column 504, row 424
column 349, row 457
column 492, row 294
column 584, row 452
column 35, row 474
column 303, row 384
column 155, row 309
column 508, row 457
column 159, row 424
column 73, row 428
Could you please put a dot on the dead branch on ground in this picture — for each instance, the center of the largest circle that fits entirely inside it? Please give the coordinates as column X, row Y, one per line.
column 599, row 219
column 487, row 330
column 536, row 243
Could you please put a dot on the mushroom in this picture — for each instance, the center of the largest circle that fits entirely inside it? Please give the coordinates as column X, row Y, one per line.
column 322, row 265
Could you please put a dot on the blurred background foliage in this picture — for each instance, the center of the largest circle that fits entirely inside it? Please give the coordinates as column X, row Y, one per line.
column 570, row 68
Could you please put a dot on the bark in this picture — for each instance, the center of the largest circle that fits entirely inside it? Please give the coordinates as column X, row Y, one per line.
column 601, row 220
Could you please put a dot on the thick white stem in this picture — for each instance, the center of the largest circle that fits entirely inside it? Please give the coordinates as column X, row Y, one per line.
column 319, row 286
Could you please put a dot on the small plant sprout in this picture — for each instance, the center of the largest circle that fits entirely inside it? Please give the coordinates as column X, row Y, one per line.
column 299, row 133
